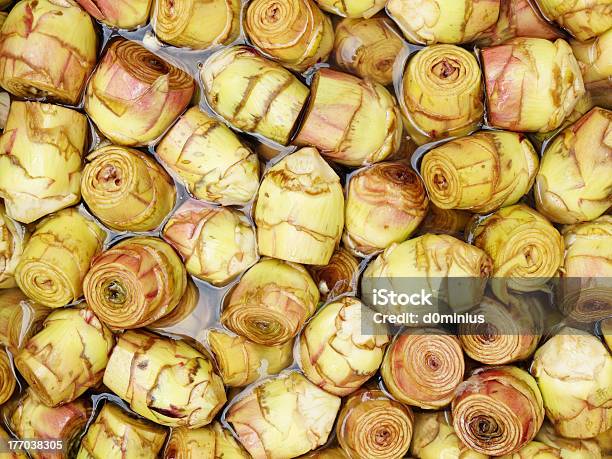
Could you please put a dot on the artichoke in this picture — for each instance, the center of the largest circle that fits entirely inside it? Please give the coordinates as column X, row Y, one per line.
column 481, row 172
column 575, row 177
column 574, row 448
column 532, row 84
column 385, row 204
column 57, row 257
column 423, row 367
column 252, row 93
column 187, row 304
column 164, row 380
column 13, row 237
column 352, row 8
column 444, row 221
column 539, row 450
column 48, row 49
column 29, row 418
column 196, row 24
column 40, row 159
column 326, row 453
column 309, row 38
column 19, row 319
column 209, row 442
column 497, row 410
column 134, row 96
column 283, row 417
column 299, row 211
column 271, row 302
column 577, row 387
column 135, row 283
column 441, row 93
column 4, row 439
column 7, row 377
column 582, row 18
column 338, row 276
column 367, row 48
column 427, row 22
column 210, row 158
column 373, row 426
column 216, row 243
column 351, row 121
column 435, row 438
column 241, row 362
column 595, row 61
column 333, row 352
column 126, row 189
column 122, row 14
column 116, row 435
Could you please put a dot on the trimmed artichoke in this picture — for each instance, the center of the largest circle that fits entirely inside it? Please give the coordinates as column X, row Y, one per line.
column 444, row 221
column 271, row 302
column 498, row 410
column 252, row 93
column 577, row 387
column 351, row 121
column 40, row 159
column 135, row 282
column 48, row 49
column 373, row 426
column 334, row 354
column 338, row 276
column 594, row 58
column 126, row 189
column 532, row 84
column 583, row 18
column 481, row 172
column 122, row 14
column 216, row 243
column 442, row 93
column 7, row 377
column 293, row 32
column 116, row 435
column 299, row 211
column 19, row 319
column 196, row 24
column 352, row 8
column 13, row 237
column 539, row 450
column 326, row 453
column 211, row 442
column 241, row 362
column 164, row 380
column 187, row 304
column 283, row 417
column 385, row 204
column 134, row 96
column 211, row 159
column 57, row 257
column 575, row 177
column 427, row 22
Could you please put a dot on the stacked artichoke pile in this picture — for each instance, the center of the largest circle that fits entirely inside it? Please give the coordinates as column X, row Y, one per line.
column 192, row 192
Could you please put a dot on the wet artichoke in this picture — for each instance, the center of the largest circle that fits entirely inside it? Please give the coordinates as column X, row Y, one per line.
column 385, row 204
column 532, row 84
column 583, row 18
column 135, row 282
column 13, row 237
column 338, row 276
column 7, row 377
column 497, row 410
column 308, row 39
column 271, row 302
column 116, row 435
column 216, row 243
column 351, row 121
column 126, row 189
column 209, row 442
column 20, row 318
column 442, row 93
column 196, row 24
column 57, row 257
column 333, row 352
column 134, row 96
column 373, row 426
column 40, row 159
column 164, row 380
column 423, row 367
column 367, row 48
column 283, row 417
column 443, row 21
column 575, row 177
column 122, row 14
column 576, row 388
column 595, row 61
column 241, row 362
column 481, row 172
column 252, row 93
column 47, row 50
column 352, row 8
column 66, row 357
column 299, row 211
column 210, row 158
